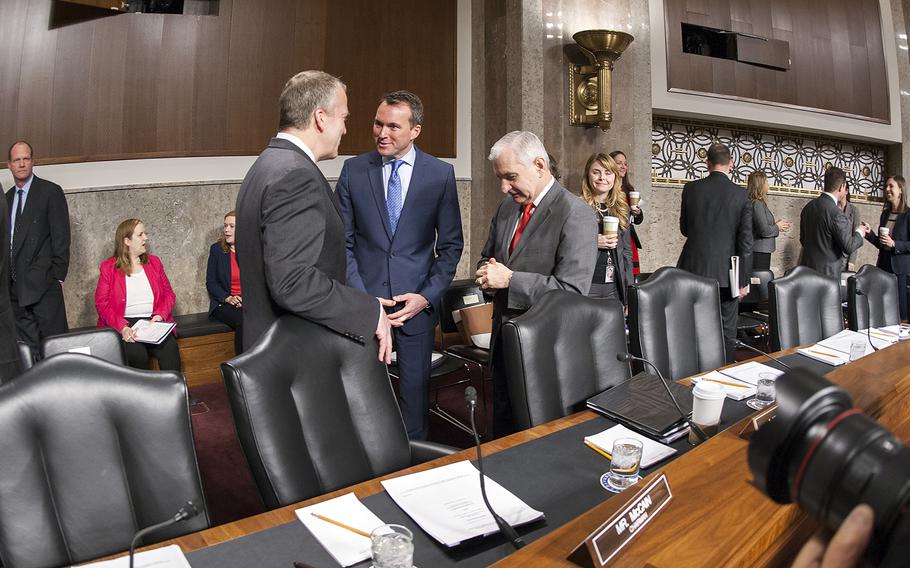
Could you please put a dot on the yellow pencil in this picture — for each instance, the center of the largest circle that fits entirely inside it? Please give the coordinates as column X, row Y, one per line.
column 339, row 524
column 828, row 355
column 726, row 383
column 598, row 450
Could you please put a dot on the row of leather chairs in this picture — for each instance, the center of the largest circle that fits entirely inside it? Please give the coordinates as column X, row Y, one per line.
column 564, row 349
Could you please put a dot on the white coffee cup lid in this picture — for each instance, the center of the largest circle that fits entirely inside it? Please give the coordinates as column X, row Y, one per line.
column 634, row 193
column 611, row 219
column 708, row 390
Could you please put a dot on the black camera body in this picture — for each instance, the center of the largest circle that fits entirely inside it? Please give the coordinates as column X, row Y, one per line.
column 826, row 456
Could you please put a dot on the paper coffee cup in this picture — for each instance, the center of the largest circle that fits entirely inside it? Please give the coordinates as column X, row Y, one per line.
column 707, row 403
column 634, row 198
column 884, row 231
column 610, row 226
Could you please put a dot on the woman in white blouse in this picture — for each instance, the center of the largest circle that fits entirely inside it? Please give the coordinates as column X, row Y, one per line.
column 133, row 286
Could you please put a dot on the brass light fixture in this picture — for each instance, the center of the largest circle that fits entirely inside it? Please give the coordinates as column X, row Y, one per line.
column 590, row 86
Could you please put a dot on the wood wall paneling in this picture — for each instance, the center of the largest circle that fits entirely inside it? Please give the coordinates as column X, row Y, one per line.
column 149, row 85
column 836, row 49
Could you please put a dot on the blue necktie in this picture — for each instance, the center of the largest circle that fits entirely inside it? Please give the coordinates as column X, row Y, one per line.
column 393, row 198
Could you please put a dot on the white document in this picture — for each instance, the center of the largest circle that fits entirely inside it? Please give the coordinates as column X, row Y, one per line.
column 148, row 331
column 346, row 547
column 825, row 355
column 750, row 372
column 739, row 392
column 447, row 504
column 880, row 337
column 481, row 340
column 734, row 275
column 651, row 452
column 842, row 340
column 164, row 557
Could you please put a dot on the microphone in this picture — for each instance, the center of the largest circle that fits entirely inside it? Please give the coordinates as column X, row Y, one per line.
column 188, row 511
column 626, row 357
column 470, row 397
column 760, row 352
column 859, row 292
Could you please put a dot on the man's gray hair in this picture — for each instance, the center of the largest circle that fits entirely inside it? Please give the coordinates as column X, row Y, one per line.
column 303, row 94
column 526, row 145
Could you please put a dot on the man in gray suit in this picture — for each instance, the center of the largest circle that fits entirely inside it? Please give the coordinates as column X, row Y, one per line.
column 542, row 238
column 825, row 232
column 290, row 235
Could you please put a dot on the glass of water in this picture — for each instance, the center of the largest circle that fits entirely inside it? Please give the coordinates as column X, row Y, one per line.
column 765, row 393
column 392, row 547
column 857, row 349
column 624, row 465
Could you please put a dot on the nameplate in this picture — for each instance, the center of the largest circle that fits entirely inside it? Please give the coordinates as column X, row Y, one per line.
column 470, row 299
column 754, row 280
column 757, row 421
column 610, row 538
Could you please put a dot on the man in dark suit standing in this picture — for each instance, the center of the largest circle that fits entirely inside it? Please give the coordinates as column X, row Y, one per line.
column 404, row 240
column 542, row 238
column 825, row 232
column 715, row 216
column 290, row 235
column 40, row 253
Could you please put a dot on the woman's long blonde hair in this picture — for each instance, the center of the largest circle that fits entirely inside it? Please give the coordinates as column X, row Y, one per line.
column 757, row 185
column 616, row 198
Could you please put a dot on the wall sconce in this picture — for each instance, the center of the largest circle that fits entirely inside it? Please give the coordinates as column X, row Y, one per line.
column 591, row 92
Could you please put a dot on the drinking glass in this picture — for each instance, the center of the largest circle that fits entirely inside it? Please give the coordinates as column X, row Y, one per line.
column 624, row 465
column 765, row 393
column 392, row 547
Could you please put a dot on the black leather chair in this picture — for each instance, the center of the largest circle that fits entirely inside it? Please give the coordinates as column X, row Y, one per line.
column 26, row 356
column 104, row 343
column 90, row 453
column 560, row 353
column 805, row 306
column 878, row 304
column 675, row 322
column 753, row 309
column 315, row 412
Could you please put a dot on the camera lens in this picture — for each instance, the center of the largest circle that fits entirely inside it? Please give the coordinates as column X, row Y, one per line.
column 828, row 457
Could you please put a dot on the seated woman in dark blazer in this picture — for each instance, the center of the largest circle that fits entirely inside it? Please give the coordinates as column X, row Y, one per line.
column 133, row 286
column 894, row 248
column 222, row 280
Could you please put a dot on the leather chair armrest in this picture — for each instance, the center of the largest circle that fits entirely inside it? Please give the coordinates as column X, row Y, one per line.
column 422, row 451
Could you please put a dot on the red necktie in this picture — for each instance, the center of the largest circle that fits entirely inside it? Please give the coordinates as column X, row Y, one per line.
column 525, row 217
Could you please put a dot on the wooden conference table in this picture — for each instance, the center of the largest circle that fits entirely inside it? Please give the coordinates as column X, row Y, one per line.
column 716, row 517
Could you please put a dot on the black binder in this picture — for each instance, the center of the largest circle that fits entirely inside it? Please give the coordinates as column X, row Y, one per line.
column 642, row 404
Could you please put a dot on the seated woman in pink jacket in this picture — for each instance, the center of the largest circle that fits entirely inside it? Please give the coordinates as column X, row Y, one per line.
column 133, row 286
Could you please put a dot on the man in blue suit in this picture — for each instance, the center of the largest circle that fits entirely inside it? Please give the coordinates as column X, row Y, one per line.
column 404, row 240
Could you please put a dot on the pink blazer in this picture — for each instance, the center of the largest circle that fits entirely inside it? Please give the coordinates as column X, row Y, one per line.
column 110, row 294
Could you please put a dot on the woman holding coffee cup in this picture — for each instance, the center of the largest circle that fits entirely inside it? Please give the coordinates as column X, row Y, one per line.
column 893, row 238
column 764, row 228
column 601, row 189
column 633, row 198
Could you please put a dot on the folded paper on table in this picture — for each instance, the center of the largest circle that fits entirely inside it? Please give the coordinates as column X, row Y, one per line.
column 346, row 547
column 651, row 453
column 164, row 557
column 447, row 504
column 750, row 372
column 825, row 355
column 740, row 392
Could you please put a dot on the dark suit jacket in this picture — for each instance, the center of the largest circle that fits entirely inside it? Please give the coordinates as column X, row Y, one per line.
column 895, row 261
column 423, row 253
column 9, row 356
column 290, row 249
column 826, row 236
column 218, row 276
column 41, row 249
column 715, row 216
column 557, row 250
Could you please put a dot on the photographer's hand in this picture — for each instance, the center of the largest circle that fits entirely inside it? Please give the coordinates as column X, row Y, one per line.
column 845, row 548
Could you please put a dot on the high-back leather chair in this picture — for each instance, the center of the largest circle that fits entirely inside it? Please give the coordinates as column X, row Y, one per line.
column 805, row 307
column 675, row 322
column 560, row 353
column 757, row 298
column 315, row 412
column 26, row 356
column 872, row 299
column 91, row 452
column 104, row 343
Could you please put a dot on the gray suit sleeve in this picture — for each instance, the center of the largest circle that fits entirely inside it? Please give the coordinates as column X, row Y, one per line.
column 574, row 263
column 763, row 221
column 296, row 205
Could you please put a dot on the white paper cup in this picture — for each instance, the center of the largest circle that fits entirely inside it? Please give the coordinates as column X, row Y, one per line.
column 707, row 403
column 610, row 226
column 884, row 231
column 634, row 198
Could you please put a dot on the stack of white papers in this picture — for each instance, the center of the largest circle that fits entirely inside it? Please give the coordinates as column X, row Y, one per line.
column 824, row 354
column 154, row 332
column 902, row 331
column 750, row 372
column 740, row 391
column 651, row 453
column 164, row 557
column 881, row 338
column 447, row 504
column 346, row 547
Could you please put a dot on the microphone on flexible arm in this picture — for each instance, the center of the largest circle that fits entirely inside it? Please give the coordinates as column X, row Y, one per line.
column 760, row 352
column 470, row 397
column 860, row 292
column 626, row 357
column 188, row 511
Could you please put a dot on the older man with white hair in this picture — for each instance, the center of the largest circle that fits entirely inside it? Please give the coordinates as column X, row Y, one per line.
column 542, row 238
